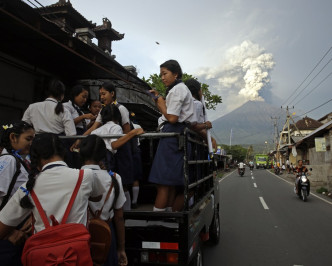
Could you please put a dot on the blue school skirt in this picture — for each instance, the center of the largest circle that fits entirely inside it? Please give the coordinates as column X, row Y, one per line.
column 112, row 258
column 167, row 166
column 122, row 163
column 137, row 161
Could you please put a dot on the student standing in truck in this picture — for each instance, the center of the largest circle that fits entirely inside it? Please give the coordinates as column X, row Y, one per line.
column 50, row 116
column 107, row 94
column 177, row 112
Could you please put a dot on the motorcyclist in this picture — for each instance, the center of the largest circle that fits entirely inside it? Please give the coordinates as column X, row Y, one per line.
column 241, row 166
column 297, row 170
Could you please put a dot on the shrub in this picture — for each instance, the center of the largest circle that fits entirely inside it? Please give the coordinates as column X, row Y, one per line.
column 321, row 190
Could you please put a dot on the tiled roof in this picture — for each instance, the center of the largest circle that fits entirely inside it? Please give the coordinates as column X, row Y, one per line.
column 307, row 123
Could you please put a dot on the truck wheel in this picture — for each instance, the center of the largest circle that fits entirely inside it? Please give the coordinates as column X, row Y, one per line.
column 215, row 229
column 198, row 260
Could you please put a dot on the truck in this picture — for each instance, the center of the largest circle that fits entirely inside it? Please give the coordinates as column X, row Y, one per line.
column 261, row 161
column 175, row 238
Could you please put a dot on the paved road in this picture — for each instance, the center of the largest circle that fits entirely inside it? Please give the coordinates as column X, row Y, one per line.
column 264, row 223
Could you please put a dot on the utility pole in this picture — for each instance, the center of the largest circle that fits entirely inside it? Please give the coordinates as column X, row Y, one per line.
column 275, row 125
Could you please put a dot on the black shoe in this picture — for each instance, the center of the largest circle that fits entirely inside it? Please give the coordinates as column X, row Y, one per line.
column 134, row 205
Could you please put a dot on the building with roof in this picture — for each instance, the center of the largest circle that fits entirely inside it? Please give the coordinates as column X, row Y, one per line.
column 57, row 41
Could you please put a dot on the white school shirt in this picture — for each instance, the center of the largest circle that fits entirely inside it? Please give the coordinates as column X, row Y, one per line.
column 106, row 180
column 74, row 114
column 108, row 129
column 179, row 102
column 44, row 119
column 54, row 188
column 199, row 111
column 137, row 126
column 7, row 171
column 124, row 115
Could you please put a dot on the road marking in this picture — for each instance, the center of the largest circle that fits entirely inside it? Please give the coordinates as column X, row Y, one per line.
column 311, row 193
column 255, row 185
column 224, row 177
column 263, row 203
column 252, row 178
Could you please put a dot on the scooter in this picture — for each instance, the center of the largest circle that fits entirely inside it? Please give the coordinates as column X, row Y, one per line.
column 303, row 186
column 241, row 171
column 251, row 167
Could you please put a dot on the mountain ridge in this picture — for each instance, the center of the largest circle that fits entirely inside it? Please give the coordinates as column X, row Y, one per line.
column 250, row 124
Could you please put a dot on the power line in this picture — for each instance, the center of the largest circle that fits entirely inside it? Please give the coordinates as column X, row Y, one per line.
column 314, row 88
column 316, row 108
column 307, row 76
column 312, row 80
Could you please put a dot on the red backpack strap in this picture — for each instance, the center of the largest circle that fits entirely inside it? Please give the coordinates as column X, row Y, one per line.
column 73, row 196
column 40, row 209
column 98, row 212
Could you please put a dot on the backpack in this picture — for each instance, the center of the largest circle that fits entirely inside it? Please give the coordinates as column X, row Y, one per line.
column 12, row 183
column 63, row 244
column 101, row 235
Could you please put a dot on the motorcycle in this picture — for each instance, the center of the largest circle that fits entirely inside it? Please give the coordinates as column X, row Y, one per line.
column 251, row 167
column 241, row 171
column 303, row 190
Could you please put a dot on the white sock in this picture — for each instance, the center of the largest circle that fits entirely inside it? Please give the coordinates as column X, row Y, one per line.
column 135, row 194
column 169, row 209
column 158, row 210
column 127, row 204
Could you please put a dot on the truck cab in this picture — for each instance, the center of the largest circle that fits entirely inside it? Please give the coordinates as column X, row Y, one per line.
column 261, row 161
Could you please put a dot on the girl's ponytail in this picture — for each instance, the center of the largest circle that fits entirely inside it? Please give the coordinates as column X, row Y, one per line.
column 116, row 189
column 25, row 201
column 44, row 146
column 56, row 89
column 59, row 108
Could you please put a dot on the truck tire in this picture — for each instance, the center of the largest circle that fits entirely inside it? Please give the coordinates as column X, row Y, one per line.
column 214, row 230
column 198, row 260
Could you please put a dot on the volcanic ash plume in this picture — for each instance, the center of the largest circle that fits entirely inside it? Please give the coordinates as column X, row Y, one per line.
column 249, row 62
column 243, row 76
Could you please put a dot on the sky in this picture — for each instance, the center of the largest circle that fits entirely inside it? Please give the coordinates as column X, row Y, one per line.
column 244, row 50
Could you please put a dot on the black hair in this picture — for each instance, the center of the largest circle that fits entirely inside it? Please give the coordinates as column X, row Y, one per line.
column 44, row 146
column 111, row 113
column 94, row 148
column 109, row 86
column 173, row 66
column 17, row 128
column 194, row 86
column 56, row 89
column 75, row 91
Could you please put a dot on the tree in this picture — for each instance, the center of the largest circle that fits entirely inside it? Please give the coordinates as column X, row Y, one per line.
column 211, row 100
column 238, row 152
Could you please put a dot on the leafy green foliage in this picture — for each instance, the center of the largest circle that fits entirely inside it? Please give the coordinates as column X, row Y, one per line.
column 238, row 152
column 211, row 100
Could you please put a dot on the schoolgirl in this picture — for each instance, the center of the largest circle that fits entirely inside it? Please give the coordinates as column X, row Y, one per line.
column 78, row 98
column 177, row 111
column 16, row 140
column 124, row 156
column 53, row 182
column 119, row 148
column 137, row 160
column 201, row 126
column 50, row 116
column 92, row 152
column 94, row 108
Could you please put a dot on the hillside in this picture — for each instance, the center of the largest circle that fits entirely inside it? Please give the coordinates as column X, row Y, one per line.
column 250, row 124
